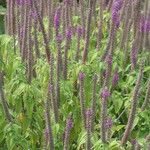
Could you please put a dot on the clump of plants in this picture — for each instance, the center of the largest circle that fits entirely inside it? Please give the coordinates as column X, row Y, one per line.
column 75, row 75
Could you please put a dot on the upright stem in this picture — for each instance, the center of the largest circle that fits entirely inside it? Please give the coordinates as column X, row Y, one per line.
column 133, row 107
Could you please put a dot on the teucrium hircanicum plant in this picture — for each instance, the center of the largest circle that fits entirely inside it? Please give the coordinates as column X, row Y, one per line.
column 113, row 36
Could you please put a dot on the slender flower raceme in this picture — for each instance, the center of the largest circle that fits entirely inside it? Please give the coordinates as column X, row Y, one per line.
column 88, row 128
column 52, row 89
column 100, row 25
column 70, row 8
column 63, row 21
column 115, row 78
column 69, row 126
column 115, row 12
column 82, row 96
column 25, row 31
column 30, row 53
column 105, row 94
column 145, row 25
column 59, row 40
column 57, row 20
column 109, row 62
column 50, row 16
column 67, row 21
column 58, row 68
column 115, row 22
column 136, row 14
column 80, row 31
column 108, row 124
column 87, row 35
column 46, row 135
column 93, row 102
column 82, row 12
column 67, row 47
column 133, row 106
column 36, row 42
column 128, row 12
column 48, row 125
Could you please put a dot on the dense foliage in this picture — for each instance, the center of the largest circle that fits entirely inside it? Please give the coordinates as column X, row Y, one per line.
column 75, row 75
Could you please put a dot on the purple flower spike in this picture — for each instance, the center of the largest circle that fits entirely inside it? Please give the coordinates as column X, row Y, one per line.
column 69, row 33
column 134, row 56
column 115, row 19
column 69, row 125
column 115, row 78
column 33, row 15
column 117, row 5
column 57, row 18
column 89, row 112
column 81, row 75
column 88, row 118
column 109, row 59
column 144, row 25
column 115, row 12
column 108, row 123
column 105, row 93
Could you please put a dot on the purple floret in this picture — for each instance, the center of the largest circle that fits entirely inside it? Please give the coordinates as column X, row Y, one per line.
column 108, row 123
column 81, row 75
column 105, row 93
column 69, row 33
